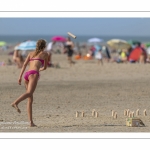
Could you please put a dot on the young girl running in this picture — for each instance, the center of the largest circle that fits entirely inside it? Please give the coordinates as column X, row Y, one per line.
column 35, row 59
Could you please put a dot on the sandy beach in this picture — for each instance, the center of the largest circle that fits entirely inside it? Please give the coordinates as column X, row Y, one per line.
column 83, row 87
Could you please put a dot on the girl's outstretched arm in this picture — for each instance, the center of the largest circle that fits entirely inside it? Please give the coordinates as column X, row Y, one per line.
column 45, row 63
column 23, row 69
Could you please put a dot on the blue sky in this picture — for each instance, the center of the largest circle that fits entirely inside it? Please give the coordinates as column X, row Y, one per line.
column 78, row 26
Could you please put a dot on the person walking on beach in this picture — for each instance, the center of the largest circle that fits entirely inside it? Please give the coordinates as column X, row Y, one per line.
column 99, row 57
column 35, row 59
column 69, row 50
column 106, row 53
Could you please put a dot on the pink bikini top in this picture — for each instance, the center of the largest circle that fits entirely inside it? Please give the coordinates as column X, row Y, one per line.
column 41, row 60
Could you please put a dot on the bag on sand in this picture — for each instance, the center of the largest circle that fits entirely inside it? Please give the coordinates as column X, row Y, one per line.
column 134, row 122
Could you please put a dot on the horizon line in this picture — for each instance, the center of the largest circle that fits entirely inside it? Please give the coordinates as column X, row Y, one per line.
column 67, row 35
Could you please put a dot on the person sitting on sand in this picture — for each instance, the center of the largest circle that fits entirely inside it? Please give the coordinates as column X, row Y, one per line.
column 122, row 58
column 18, row 59
column 35, row 59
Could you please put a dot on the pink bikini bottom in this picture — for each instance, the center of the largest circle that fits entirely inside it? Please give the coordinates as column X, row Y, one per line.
column 28, row 73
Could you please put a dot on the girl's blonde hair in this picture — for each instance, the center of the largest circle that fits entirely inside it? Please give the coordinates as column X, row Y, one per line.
column 40, row 45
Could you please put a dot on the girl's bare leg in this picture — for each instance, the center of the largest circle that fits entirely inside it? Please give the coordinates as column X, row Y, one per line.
column 29, row 106
column 70, row 61
column 101, row 62
column 29, row 93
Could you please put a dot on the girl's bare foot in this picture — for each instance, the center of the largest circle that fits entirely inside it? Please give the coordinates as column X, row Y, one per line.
column 33, row 125
column 16, row 107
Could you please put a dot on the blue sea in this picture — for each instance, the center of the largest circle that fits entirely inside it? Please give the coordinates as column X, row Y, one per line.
column 12, row 39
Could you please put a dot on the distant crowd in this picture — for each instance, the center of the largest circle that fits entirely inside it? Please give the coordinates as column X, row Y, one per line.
column 137, row 53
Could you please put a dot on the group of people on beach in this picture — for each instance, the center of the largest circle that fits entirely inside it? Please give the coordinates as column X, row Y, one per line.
column 136, row 54
column 68, row 48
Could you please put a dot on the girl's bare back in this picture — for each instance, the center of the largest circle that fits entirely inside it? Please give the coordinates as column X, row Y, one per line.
column 35, row 62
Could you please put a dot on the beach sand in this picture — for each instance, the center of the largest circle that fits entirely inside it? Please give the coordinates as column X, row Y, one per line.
column 83, row 87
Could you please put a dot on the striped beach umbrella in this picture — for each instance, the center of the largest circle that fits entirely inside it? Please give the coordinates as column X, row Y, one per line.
column 28, row 45
column 118, row 44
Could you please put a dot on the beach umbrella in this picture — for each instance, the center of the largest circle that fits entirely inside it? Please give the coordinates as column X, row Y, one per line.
column 118, row 44
column 58, row 39
column 95, row 40
column 28, row 45
column 2, row 43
